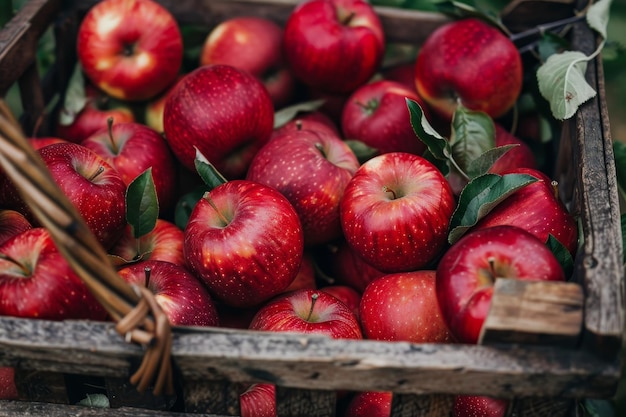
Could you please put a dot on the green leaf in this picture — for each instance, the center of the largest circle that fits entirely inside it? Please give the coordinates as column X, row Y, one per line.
column 207, row 171
column 598, row 16
column 619, row 153
column 362, row 151
column 286, row 114
column 437, row 144
column 473, row 134
column 485, row 161
column 550, row 44
column 562, row 82
column 460, row 9
column 562, row 255
column 596, row 408
column 441, row 165
column 75, row 98
column 480, row 196
column 142, row 204
column 95, row 400
column 185, row 205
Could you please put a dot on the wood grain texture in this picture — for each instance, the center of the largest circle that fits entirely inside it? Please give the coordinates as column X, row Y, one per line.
column 23, row 409
column 536, row 312
column 313, row 362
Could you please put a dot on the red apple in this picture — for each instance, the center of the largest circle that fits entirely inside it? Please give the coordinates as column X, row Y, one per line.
column 537, row 209
column 131, row 148
column 377, row 115
column 153, row 111
column 306, row 275
column 468, row 269
column 471, row 62
column 258, row 400
column 315, row 120
column 334, row 45
column 163, row 243
column 38, row 143
column 94, row 187
column 235, row 317
column 370, row 404
column 404, row 307
column 93, row 117
column 347, row 295
column 395, row 212
column 224, row 112
column 403, row 73
column 253, row 44
column 131, row 49
column 308, row 311
column 311, row 169
column 12, row 223
column 181, row 296
column 245, row 241
column 521, row 156
column 475, row 405
column 348, row 268
column 8, row 389
column 37, row 282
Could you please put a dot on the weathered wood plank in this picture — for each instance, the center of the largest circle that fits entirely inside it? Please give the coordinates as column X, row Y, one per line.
column 538, row 312
column 24, row 409
column 314, row 362
column 19, row 37
column 599, row 267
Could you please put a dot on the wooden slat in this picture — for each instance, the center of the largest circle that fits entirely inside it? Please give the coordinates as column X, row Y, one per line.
column 524, row 311
column 310, row 362
column 292, row 402
column 20, row 408
column 599, row 266
column 19, row 37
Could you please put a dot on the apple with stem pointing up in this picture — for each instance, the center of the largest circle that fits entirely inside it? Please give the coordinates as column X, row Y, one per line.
column 467, row 272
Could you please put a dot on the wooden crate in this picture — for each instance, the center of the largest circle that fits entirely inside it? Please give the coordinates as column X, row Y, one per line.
column 213, row 363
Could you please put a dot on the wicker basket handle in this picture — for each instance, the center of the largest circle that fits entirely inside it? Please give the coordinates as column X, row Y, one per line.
column 139, row 318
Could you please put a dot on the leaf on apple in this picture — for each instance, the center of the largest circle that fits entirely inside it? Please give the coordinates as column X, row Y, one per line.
column 142, row 206
column 473, row 134
column 481, row 165
column 207, row 171
column 562, row 76
column 480, row 196
column 438, row 145
column 286, row 114
column 562, row 255
column 75, row 97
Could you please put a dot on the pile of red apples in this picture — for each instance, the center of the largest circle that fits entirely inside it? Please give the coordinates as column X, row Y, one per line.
column 303, row 232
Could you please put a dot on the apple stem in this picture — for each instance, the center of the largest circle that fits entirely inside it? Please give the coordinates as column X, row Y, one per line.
column 110, row 130
column 147, row 272
column 320, row 148
column 346, row 20
column 314, row 298
column 26, row 271
column 212, row 204
column 98, row 172
column 555, row 188
column 389, row 190
column 298, row 124
column 492, row 270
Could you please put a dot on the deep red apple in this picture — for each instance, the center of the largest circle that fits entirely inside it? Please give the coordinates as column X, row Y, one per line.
column 131, row 49
column 253, row 44
column 475, row 405
column 315, row 120
column 521, row 156
column 468, row 269
column 224, row 112
column 12, row 223
column 181, row 296
column 154, row 108
column 306, row 275
column 334, row 45
column 38, row 143
column 396, row 210
column 8, row 389
column 403, row 73
column 471, row 62
column 377, row 115
column 404, row 307
column 37, row 282
column 245, row 241
column 370, row 404
column 308, row 311
column 536, row 208
column 311, row 169
column 348, row 295
column 258, row 400
column 131, row 148
column 163, row 243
